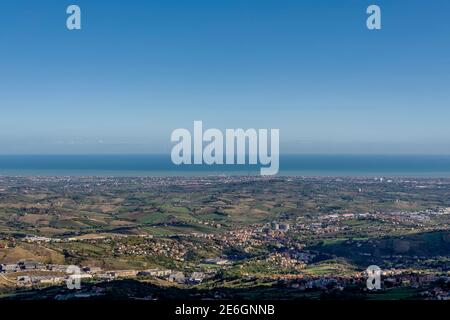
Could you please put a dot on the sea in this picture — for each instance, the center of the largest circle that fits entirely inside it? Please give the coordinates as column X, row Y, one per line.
column 432, row 166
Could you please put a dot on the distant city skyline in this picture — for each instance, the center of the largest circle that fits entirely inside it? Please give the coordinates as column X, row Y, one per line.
column 137, row 71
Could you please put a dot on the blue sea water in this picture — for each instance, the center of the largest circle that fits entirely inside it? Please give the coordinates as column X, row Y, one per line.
column 161, row 165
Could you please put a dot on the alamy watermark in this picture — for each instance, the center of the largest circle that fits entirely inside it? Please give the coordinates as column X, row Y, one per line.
column 73, row 21
column 73, row 281
column 373, row 278
column 236, row 146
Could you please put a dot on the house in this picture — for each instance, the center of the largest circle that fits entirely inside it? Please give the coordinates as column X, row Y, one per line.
column 24, row 281
column 37, row 239
column 31, row 265
column 57, row 267
column 105, row 276
column 155, row 273
column 196, row 277
column 123, row 273
column 164, row 273
column 47, row 280
column 177, row 277
column 92, row 269
column 9, row 268
column 146, row 273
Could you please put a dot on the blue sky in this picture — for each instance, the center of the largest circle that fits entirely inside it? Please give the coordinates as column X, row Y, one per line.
column 139, row 69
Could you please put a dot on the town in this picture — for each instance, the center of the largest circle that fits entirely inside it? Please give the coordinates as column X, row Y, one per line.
column 224, row 237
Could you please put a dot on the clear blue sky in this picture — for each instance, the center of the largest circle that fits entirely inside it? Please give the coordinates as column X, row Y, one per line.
column 139, row 69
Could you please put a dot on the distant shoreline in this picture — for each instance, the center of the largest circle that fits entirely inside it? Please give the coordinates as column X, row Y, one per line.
column 410, row 166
